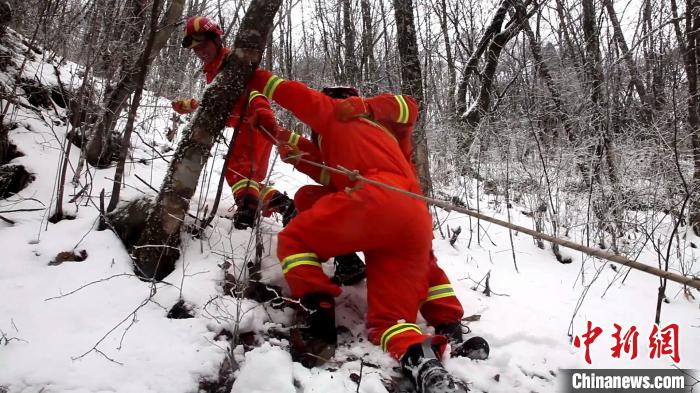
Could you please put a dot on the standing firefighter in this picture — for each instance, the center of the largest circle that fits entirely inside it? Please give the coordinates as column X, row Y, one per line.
column 246, row 165
column 392, row 229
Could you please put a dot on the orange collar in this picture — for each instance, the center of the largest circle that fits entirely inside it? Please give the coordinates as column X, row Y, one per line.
column 211, row 69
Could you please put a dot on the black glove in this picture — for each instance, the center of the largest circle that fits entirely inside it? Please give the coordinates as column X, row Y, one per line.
column 246, row 209
column 284, row 205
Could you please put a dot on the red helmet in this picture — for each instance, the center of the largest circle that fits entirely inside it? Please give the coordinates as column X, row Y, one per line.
column 200, row 26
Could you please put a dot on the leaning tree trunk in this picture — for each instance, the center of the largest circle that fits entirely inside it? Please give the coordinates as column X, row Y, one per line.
column 481, row 107
column 153, row 38
column 158, row 248
column 466, row 137
column 98, row 149
column 635, row 78
column 412, row 84
column 471, row 64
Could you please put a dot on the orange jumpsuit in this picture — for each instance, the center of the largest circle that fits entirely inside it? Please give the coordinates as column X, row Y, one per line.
column 398, row 114
column 246, row 166
column 393, row 230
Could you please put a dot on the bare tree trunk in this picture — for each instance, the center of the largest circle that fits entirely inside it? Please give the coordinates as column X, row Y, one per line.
column 158, row 248
column 603, row 151
column 495, row 45
column 637, row 82
column 451, row 70
column 564, row 29
column 469, row 124
column 351, row 70
column 653, row 58
column 471, row 65
column 369, row 63
column 690, row 44
column 385, row 33
column 412, row 84
column 98, row 150
column 135, row 102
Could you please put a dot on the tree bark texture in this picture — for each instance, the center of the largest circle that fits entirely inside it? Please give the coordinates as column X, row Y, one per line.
column 351, row 70
column 158, row 248
column 412, row 84
column 369, row 63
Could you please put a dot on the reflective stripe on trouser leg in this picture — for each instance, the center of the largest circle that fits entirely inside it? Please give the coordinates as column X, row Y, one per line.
column 267, row 193
column 393, row 331
column 439, row 292
column 304, row 274
column 251, row 184
column 440, row 305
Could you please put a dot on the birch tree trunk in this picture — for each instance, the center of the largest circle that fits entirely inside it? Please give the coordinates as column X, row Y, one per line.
column 157, row 250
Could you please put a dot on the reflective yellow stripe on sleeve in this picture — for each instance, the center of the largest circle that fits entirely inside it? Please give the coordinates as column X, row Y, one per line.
column 243, row 183
column 397, row 329
column 324, row 177
column 440, row 291
column 293, row 139
column 254, row 94
column 403, row 110
column 197, row 21
column 271, row 85
column 294, row 260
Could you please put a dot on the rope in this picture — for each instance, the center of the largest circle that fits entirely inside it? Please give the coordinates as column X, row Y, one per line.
column 354, row 175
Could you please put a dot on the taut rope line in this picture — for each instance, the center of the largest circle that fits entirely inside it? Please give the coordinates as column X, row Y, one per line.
column 354, row 175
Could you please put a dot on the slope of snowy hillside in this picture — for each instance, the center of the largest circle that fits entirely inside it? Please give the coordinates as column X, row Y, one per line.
column 92, row 326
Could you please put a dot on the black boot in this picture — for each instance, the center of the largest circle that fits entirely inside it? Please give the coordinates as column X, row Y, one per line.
column 421, row 366
column 313, row 339
column 475, row 348
column 349, row 269
column 284, row 205
column 246, row 209
column 453, row 332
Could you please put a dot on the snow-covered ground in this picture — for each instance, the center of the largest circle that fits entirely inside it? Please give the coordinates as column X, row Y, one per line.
column 92, row 326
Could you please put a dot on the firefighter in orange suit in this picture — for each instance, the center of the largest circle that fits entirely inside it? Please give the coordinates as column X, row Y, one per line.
column 397, row 114
column 246, row 166
column 393, row 230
